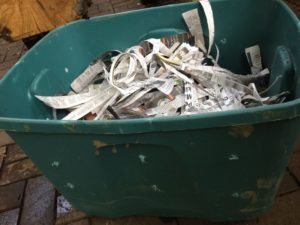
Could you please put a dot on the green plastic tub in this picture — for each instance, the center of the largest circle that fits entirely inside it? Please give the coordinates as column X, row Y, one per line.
column 219, row 166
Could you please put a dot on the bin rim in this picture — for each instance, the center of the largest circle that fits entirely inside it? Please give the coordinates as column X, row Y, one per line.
column 256, row 115
column 250, row 116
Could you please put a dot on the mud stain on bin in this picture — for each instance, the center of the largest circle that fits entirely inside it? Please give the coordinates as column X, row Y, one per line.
column 71, row 128
column 249, row 195
column 98, row 145
column 241, row 131
column 266, row 183
column 114, row 150
column 249, row 210
column 274, row 115
column 26, row 128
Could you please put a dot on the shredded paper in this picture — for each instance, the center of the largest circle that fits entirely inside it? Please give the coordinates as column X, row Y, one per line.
column 171, row 76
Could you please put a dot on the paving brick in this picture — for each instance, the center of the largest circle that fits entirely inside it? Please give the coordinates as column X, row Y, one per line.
column 8, row 64
column 2, row 155
column 93, row 14
column 65, row 214
column 294, row 164
column 18, row 171
column 295, row 5
column 3, row 41
column 104, row 13
column 14, row 52
column 3, row 48
column 80, row 222
column 2, row 54
column 70, row 217
column 93, row 8
column 105, row 7
column 9, row 217
column 135, row 5
column 3, row 72
column 63, row 206
column 129, row 221
column 119, row 4
column 14, row 153
column 19, row 43
column 183, row 221
column 25, row 49
column 168, row 220
column 39, row 202
column 94, row 11
column 122, row 8
column 285, row 211
column 5, row 139
column 288, row 184
column 97, row 1
column 100, row 1
column 11, row 196
column 117, row 1
column 250, row 222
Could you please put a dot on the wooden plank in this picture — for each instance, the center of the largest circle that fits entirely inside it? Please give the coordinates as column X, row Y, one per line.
column 24, row 18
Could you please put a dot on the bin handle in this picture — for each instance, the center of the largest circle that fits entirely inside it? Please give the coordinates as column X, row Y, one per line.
column 282, row 67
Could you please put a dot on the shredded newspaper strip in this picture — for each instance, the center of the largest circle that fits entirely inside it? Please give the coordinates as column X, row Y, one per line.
column 171, row 76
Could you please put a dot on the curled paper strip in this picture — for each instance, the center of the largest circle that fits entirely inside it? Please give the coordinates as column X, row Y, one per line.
column 171, row 76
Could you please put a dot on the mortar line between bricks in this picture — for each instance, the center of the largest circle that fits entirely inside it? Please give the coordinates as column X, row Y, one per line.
column 55, row 206
column 8, row 209
column 22, row 202
column 3, row 159
column 43, row 194
column 76, row 220
column 17, row 160
column 293, row 176
column 5, row 55
column 288, row 193
column 119, row 4
column 6, row 145
column 3, row 185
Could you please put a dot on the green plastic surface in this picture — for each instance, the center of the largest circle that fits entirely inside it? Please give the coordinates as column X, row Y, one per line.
column 219, row 166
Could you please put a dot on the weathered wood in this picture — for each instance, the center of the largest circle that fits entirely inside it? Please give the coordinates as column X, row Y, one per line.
column 24, row 18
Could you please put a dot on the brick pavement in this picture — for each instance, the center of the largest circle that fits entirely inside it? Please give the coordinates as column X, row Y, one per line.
column 28, row 198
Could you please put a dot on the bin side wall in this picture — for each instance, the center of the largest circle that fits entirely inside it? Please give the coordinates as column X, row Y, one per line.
column 228, row 173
